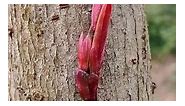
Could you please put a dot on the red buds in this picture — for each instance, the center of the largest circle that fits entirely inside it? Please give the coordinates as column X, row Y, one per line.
column 96, row 8
column 90, row 52
column 84, row 47
column 99, row 39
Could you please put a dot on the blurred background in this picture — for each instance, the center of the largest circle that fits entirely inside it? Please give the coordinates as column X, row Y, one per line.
column 162, row 31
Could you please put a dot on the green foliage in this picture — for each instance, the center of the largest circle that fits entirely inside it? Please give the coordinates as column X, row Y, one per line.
column 162, row 29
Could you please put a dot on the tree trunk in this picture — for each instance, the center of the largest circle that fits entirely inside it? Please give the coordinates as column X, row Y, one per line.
column 42, row 53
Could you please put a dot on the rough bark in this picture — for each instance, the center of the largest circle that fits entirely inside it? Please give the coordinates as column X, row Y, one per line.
column 42, row 53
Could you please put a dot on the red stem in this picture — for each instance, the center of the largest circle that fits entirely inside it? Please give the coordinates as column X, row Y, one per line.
column 90, row 52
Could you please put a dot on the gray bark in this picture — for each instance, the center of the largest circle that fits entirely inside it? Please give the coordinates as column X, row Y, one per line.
column 42, row 53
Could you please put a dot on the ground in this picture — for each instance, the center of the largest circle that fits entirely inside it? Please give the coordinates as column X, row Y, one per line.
column 164, row 75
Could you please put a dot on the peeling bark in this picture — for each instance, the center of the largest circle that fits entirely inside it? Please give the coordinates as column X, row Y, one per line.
column 42, row 53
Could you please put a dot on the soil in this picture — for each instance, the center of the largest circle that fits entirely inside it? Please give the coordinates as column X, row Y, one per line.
column 164, row 75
